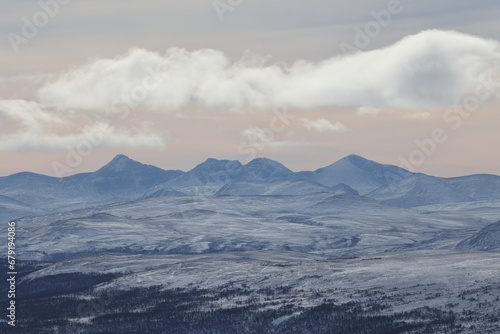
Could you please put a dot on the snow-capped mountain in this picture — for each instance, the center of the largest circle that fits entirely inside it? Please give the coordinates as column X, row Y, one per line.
column 262, row 169
column 124, row 179
column 260, row 176
column 206, row 178
column 253, row 240
column 358, row 173
column 121, row 179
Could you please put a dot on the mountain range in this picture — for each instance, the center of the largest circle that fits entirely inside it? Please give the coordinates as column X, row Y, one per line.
column 128, row 241
column 124, row 179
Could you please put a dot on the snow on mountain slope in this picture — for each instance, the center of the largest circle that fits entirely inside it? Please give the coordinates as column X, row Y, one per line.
column 165, row 192
column 459, row 283
column 284, row 188
column 219, row 177
column 419, row 190
column 30, row 188
column 262, row 169
column 124, row 178
column 339, row 225
column 479, row 187
column 353, row 203
column 442, row 269
column 121, row 179
column 267, row 177
column 488, row 239
column 358, row 173
column 206, row 178
column 343, row 189
column 11, row 209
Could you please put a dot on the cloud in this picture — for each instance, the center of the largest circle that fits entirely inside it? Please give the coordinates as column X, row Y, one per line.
column 261, row 138
column 324, row 125
column 427, row 70
column 408, row 114
column 258, row 136
column 36, row 129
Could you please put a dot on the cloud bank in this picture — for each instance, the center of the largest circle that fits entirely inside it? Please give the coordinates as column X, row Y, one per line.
column 31, row 127
column 431, row 69
column 427, row 70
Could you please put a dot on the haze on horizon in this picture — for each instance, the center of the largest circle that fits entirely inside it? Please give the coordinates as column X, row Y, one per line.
column 172, row 84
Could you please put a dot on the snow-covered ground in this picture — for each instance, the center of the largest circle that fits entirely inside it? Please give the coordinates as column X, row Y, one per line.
column 463, row 282
column 344, row 225
column 263, row 237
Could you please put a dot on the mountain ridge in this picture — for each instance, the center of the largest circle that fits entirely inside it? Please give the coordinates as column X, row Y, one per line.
column 125, row 179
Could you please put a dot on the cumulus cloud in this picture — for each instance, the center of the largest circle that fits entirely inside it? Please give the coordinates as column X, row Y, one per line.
column 324, row 125
column 35, row 128
column 426, row 70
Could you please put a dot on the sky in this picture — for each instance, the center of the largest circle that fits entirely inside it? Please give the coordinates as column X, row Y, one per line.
column 172, row 83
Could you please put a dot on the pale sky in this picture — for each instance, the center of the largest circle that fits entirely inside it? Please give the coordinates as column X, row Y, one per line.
column 172, row 83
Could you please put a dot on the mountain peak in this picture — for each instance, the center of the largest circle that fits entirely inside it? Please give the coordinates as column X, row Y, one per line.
column 213, row 165
column 264, row 169
column 120, row 157
column 263, row 162
column 361, row 162
column 119, row 163
column 361, row 174
column 354, row 157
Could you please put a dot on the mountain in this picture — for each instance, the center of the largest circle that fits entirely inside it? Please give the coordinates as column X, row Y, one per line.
column 165, row 192
column 206, row 178
column 343, row 189
column 479, row 186
column 488, row 239
column 124, row 178
column 338, row 225
column 262, row 169
column 11, row 209
column 358, row 173
column 265, row 263
column 121, row 179
column 419, row 190
column 277, row 188
column 30, row 188
column 49, row 194
column 259, row 177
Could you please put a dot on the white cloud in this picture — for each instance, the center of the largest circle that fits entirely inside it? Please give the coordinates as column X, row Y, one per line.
column 426, row 70
column 408, row 114
column 259, row 137
column 324, row 125
column 34, row 129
